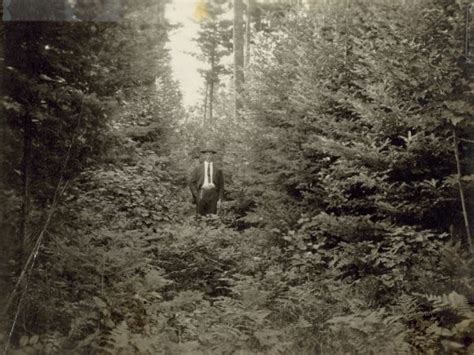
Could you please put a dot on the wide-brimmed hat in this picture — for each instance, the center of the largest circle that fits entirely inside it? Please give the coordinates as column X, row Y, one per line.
column 208, row 148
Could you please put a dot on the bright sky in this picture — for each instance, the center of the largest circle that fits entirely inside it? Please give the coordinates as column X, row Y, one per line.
column 181, row 44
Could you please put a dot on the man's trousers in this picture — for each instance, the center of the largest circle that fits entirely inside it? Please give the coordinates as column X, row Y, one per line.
column 207, row 201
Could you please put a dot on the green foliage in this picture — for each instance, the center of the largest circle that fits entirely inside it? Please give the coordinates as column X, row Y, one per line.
column 214, row 42
column 334, row 238
column 105, row 90
column 354, row 136
column 45, row 95
column 132, row 196
column 354, row 156
column 65, row 84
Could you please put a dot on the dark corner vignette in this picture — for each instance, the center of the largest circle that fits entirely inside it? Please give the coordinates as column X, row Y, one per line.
column 62, row 10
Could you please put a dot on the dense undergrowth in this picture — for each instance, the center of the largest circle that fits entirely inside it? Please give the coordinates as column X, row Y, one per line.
column 132, row 271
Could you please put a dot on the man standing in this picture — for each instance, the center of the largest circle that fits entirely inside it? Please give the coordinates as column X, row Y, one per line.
column 207, row 184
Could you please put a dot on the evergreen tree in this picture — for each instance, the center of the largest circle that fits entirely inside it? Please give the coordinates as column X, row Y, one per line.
column 214, row 42
column 238, row 42
column 76, row 96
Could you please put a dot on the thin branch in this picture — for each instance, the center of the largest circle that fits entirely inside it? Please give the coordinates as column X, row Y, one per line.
column 466, row 140
column 461, row 192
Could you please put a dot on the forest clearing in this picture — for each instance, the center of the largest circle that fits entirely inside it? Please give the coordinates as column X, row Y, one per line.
column 345, row 135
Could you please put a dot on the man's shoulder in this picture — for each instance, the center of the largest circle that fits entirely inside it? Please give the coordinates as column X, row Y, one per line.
column 198, row 167
column 218, row 166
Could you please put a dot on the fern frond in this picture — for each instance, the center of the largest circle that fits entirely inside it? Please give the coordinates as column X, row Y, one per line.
column 116, row 339
column 454, row 301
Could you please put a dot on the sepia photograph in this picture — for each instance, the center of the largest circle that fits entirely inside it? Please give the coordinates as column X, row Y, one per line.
column 248, row 177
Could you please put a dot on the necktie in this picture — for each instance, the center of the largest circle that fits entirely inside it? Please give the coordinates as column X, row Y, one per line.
column 208, row 172
column 211, row 174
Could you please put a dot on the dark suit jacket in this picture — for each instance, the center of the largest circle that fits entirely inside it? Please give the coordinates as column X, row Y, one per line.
column 196, row 180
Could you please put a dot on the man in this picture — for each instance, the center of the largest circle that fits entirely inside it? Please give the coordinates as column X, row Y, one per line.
column 207, row 184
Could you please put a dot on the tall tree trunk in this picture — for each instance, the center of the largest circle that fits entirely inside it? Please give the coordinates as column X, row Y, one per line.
column 26, row 176
column 346, row 30
column 204, row 118
column 461, row 191
column 248, row 21
column 456, row 142
column 465, row 212
column 238, row 53
column 211, row 102
column 211, row 88
column 467, row 29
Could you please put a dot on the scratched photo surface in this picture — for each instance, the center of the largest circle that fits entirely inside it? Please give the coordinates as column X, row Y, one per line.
column 237, row 177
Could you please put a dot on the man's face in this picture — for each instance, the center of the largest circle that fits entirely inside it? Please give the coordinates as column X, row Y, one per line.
column 208, row 156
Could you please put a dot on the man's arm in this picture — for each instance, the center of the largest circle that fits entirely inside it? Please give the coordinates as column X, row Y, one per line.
column 192, row 183
column 221, row 185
